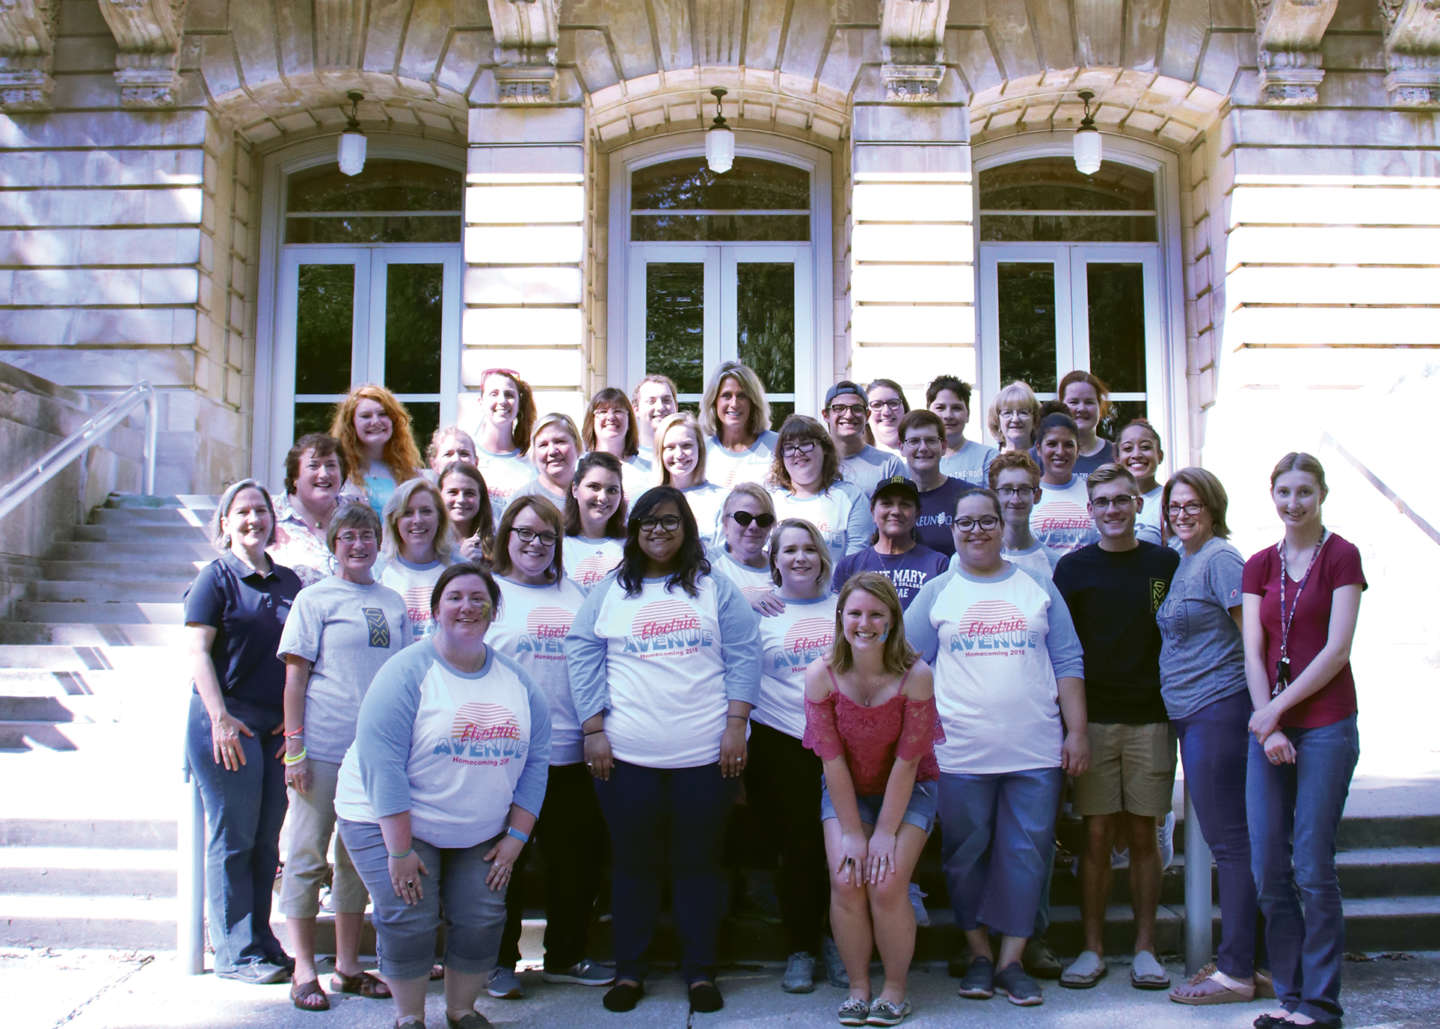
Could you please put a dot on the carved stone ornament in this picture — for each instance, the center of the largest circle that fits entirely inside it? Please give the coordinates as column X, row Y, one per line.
column 912, row 47
column 527, row 33
column 1412, row 52
column 1289, row 34
column 27, row 52
column 148, row 34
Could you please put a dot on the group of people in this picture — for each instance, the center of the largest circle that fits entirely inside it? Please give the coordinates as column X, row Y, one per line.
column 599, row 636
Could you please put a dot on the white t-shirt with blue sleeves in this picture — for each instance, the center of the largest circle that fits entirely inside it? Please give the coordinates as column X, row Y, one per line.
column 841, row 513
column 791, row 640
column 530, row 629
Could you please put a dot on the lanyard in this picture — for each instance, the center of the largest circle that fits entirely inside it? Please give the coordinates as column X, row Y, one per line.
column 1282, row 667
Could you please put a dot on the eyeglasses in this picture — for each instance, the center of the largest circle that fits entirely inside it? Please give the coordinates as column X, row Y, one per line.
column 545, row 539
column 915, row 442
column 744, row 518
column 1190, row 507
column 984, row 523
column 1122, row 501
column 667, row 523
column 885, row 405
column 1014, row 491
column 856, row 409
column 350, row 539
column 798, row 449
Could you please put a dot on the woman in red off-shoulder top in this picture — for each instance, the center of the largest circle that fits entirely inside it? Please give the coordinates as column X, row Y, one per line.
column 870, row 715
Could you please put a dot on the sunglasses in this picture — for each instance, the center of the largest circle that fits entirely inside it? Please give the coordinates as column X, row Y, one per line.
column 744, row 518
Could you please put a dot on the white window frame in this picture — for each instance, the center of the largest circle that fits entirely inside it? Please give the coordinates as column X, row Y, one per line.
column 1166, row 364
column 622, row 360
column 276, row 169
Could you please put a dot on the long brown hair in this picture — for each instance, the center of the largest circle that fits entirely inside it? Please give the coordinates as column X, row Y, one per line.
column 611, row 397
column 524, row 407
column 401, row 455
column 898, row 654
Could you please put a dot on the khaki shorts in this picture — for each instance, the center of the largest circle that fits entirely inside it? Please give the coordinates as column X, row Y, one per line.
column 1132, row 769
column 310, row 822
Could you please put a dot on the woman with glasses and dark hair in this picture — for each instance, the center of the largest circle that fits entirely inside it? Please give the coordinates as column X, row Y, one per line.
column 1010, row 691
column 315, row 473
column 664, row 661
column 438, row 795
column 736, row 418
column 538, row 603
column 888, row 405
column 594, row 519
column 745, row 523
column 507, row 414
column 806, row 483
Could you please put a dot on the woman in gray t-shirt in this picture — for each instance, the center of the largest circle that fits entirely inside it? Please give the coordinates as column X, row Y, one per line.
column 1202, row 680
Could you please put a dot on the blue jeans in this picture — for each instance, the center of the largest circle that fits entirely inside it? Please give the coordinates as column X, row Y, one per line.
column 639, row 805
column 997, row 843
column 244, row 810
column 454, row 892
column 1213, row 750
column 1294, row 813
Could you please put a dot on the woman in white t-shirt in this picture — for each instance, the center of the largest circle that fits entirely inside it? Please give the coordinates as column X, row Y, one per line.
column 736, row 416
column 594, row 519
column 439, row 793
column 1010, row 691
column 782, row 780
column 664, row 662
column 745, row 522
column 374, row 433
column 507, row 414
column 682, row 453
column 538, row 605
column 610, row 426
column 417, row 547
column 1061, row 519
column 805, row 483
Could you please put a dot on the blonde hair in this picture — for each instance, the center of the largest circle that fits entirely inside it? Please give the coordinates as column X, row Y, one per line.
column 821, row 547
column 395, row 507
column 686, row 420
column 1016, row 391
column 750, row 385
column 898, row 655
column 755, row 492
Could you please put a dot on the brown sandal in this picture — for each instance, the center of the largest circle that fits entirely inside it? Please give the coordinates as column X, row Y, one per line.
column 308, row 996
column 363, row 984
column 1206, row 989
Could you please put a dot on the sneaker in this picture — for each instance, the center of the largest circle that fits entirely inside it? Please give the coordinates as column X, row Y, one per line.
column 504, row 984
column 835, row 973
column 583, row 973
column 799, row 973
column 917, row 901
column 1165, row 840
column 257, row 973
column 1039, row 960
column 1018, row 987
column 978, row 983
column 883, row 1012
column 854, row 1011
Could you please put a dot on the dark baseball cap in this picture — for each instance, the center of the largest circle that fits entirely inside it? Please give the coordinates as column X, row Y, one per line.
column 896, row 484
column 846, row 386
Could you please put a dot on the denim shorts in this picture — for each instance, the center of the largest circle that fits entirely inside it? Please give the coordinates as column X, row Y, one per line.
column 920, row 812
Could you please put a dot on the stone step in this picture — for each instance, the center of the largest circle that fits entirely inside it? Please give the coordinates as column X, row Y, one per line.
column 76, row 871
column 166, row 517
column 144, row 502
column 130, row 552
column 37, row 682
column 68, row 709
column 104, row 576
column 157, row 590
column 86, row 657
column 136, row 532
column 104, row 612
column 91, row 634
column 79, row 835
column 54, row 920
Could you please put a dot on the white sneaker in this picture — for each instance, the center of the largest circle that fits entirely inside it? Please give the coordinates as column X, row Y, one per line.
column 917, row 901
column 1165, row 840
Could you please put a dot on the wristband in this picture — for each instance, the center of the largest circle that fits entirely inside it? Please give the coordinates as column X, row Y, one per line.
column 519, row 834
column 743, row 718
column 593, row 732
column 295, row 759
column 401, row 857
column 298, row 732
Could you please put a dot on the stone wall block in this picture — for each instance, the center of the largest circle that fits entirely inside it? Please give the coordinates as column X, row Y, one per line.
column 512, row 284
column 521, row 204
column 912, row 324
column 912, row 201
column 532, row 326
column 921, row 283
column 935, row 243
column 530, row 244
column 539, row 366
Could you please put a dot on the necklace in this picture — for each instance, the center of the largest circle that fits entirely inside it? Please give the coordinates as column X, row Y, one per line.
column 1282, row 666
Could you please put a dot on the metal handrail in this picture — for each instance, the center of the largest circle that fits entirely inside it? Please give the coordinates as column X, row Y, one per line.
column 23, row 486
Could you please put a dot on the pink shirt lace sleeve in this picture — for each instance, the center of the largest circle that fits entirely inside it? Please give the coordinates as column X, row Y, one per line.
column 821, row 734
column 920, row 730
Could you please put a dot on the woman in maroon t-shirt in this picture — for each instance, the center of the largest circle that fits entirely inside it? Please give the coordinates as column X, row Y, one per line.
column 1301, row 601
column 870, row 715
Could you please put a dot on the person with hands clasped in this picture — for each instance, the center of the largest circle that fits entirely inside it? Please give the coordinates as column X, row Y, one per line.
column 664, row 662
column 439, row 793
column 235, row 611
column 1300, row 604
column 340, row 631
column 870, row 716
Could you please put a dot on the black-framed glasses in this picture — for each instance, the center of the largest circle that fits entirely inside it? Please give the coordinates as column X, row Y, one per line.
column 1014, row 491
column 665, row 523
column 799, row 448
column 744, row 518
column 545, row 539
column 1121, row 502
column 858, row 410
column 984, row 522
column 885, row 405
column 914, row 442
column 1190, row 507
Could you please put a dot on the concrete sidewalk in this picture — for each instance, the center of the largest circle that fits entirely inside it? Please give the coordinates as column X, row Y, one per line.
column 45, row 989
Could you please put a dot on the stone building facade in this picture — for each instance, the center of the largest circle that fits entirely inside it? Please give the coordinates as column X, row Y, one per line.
column 1261, row 248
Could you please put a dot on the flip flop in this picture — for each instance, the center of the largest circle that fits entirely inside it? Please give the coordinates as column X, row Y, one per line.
column 308, row 996
column 363, row 984
column 1206, row 989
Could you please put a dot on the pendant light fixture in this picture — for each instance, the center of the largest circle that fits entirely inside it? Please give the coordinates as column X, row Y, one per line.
column 719, row 141
column 1087, row 140
column 352, row 140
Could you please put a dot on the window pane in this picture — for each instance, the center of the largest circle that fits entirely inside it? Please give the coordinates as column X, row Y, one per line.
column 424, row 420
column 325, row 314
column 765, row 324
column 414, row 310
column 1054, row 184
column 724, row 228
column 1121, row 413
column 313, row 418
column 367, row 229
column 751, row 184
column 1048, row 228
column 1116, row 302
column 382, row 186
column 675, row 323
column 1025, row 302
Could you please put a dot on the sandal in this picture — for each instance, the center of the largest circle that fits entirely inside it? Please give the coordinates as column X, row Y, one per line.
column 363, row 984
column 1205, row 988
column 308, row 996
